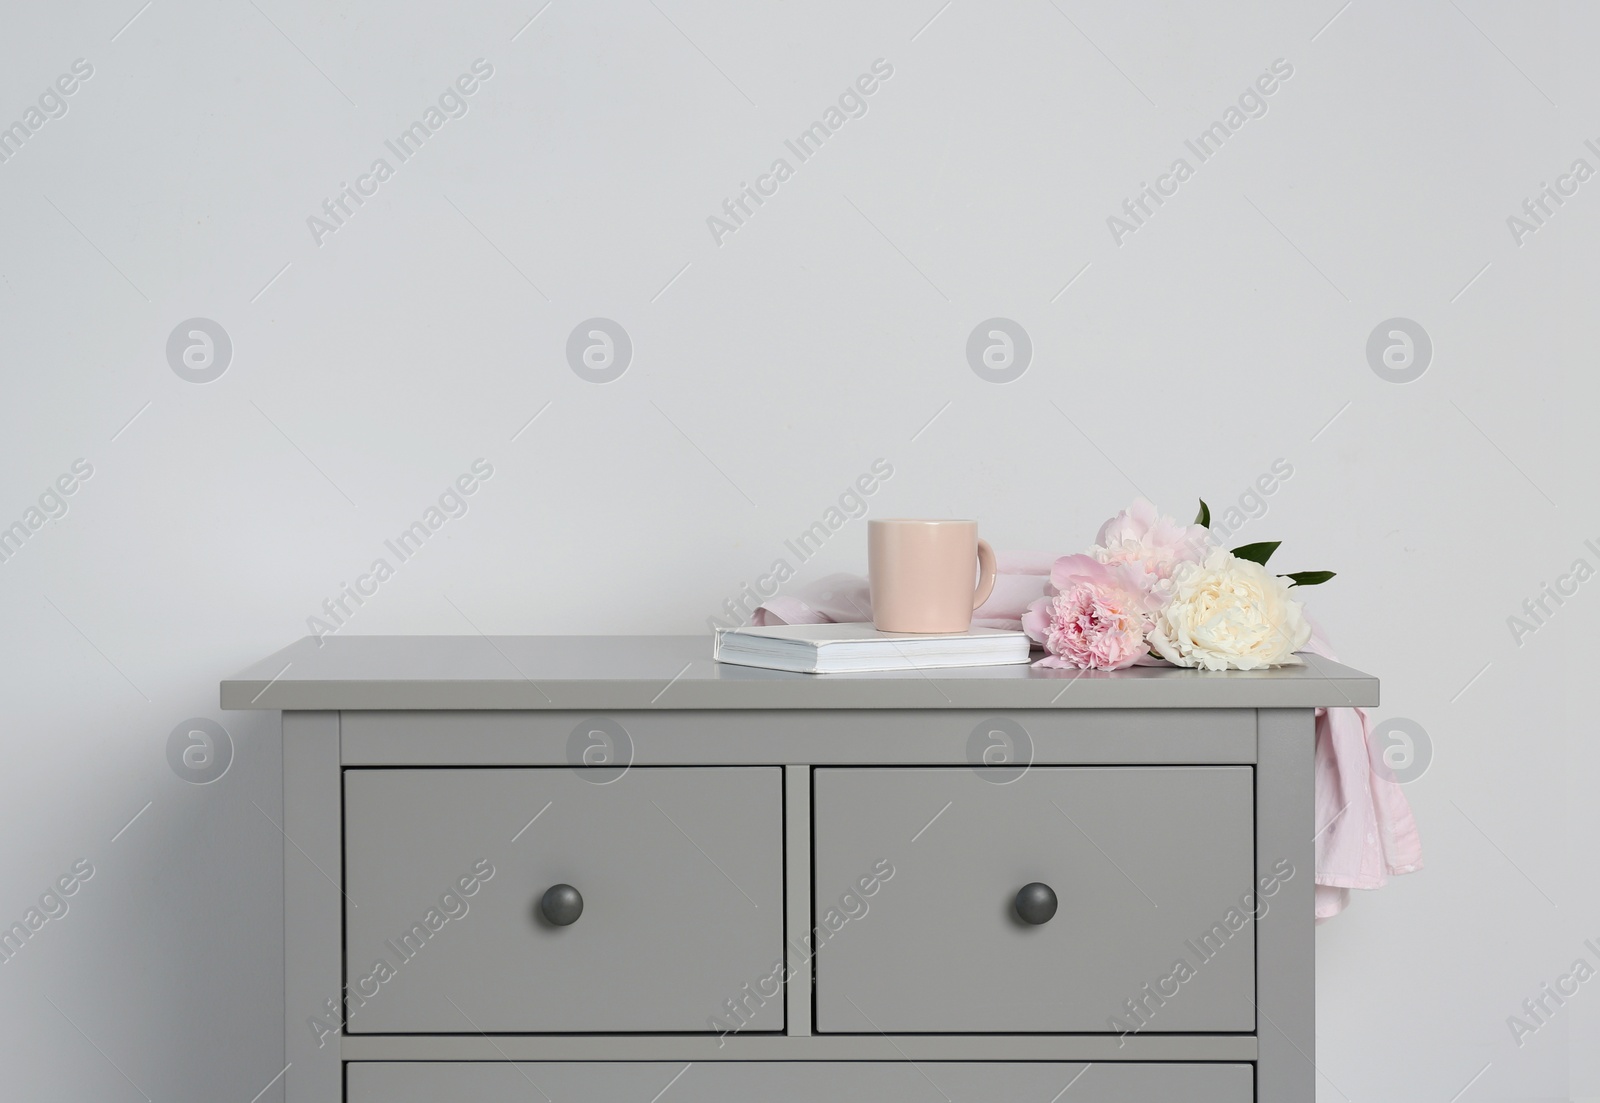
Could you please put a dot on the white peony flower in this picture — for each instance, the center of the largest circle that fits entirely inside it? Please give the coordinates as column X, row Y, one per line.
column 1230, row 613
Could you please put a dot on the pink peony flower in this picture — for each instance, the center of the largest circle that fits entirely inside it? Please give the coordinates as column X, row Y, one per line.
column 1157, row 547
column 1093, row 615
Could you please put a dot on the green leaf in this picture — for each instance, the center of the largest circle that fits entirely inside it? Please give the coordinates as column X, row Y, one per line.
column 1257, row 553
column 1204, row 516
column 1308, row 578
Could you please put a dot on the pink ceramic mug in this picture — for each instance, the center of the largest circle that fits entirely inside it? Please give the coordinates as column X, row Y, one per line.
column 921, row 574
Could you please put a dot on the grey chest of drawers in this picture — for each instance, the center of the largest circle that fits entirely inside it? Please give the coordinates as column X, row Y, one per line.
column 596, row 868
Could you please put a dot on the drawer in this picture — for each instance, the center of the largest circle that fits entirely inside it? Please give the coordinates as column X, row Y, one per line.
column 680, row 872
column 797, row 1082
column 1152, row 868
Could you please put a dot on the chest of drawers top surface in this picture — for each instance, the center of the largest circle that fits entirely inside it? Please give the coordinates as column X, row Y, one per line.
column 677, row 672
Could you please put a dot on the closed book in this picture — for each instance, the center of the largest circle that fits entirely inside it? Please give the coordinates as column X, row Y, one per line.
column 843, row 648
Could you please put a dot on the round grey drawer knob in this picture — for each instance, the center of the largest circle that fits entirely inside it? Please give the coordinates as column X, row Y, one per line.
column 1036, row 903
column 562, row 904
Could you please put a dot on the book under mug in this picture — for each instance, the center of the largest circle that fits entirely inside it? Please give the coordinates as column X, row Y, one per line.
column 843, row 648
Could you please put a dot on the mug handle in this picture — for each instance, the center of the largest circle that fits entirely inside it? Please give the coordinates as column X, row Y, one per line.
column 986, row 574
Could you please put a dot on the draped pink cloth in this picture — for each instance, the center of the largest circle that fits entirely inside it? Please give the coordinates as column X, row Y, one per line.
column 1019, row 579
column 1365, row 832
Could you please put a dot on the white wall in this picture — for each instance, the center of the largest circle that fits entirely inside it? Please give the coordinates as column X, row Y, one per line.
column 1220, row 336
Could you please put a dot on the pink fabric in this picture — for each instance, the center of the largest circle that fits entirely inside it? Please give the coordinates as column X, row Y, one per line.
column 1020, row 578
column 1365, row 830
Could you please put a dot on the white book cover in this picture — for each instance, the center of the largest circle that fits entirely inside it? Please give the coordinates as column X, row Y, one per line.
column 839, row 648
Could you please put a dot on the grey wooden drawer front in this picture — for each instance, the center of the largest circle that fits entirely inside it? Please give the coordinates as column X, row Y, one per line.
column 797, row 1082
column 680, row 871
column 1149, row 864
